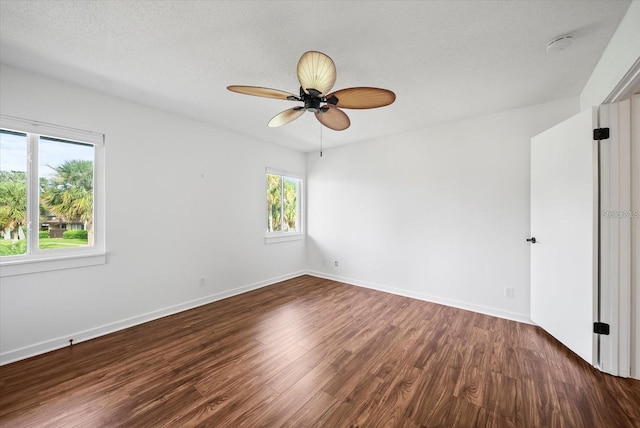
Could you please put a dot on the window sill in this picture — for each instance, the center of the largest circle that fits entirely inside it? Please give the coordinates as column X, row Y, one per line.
column 25, row 267
column 285, row 237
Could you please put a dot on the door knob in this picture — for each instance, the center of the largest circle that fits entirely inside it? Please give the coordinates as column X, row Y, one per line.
column 532, row 240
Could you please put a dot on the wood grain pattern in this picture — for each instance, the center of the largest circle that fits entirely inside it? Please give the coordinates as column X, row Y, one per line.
column 310, row 352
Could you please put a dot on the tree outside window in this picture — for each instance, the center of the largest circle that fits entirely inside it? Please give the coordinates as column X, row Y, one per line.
column 283, row 203
column 61, row 214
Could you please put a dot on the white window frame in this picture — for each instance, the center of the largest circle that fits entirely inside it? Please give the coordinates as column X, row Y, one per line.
column 274, row 237
column 42, row 261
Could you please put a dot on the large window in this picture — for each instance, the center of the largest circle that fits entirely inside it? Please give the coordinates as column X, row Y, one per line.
column 50, row 196
column 284, row 197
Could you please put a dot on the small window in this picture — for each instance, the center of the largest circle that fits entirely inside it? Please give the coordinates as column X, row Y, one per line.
column 49, row 202
column 284, row 197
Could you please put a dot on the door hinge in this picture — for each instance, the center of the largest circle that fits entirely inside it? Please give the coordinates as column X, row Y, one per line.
column 601, row 328
column 601, row 134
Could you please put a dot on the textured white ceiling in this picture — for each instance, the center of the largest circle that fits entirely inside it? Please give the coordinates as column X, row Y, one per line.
column 445, row 60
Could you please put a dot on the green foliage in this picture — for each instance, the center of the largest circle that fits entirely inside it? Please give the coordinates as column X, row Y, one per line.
column 75, row 234
column 281, row 191
column 54, row 243
column 274, row 202
column 13, row 200
column 14, row 176
column 290, row 204
column 69, row 194
column 12, row 247
column 43, row 234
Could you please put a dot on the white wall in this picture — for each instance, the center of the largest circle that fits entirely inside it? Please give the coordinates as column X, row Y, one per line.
column 184, row 201
column 622, row 52
column 440, row 214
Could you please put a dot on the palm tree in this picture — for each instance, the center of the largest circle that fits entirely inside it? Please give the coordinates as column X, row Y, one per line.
column 290, row 203
column 274, row 201
column 13, row 202
column 69, row 193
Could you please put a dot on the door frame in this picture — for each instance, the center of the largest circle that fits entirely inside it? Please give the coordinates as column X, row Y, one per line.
column 628, row 348
column 614, row 239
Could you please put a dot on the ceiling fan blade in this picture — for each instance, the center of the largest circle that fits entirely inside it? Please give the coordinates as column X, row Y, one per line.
column 261, row 92
column 316, row 71
column 333, row 118
column 363, row 97
column 286, row 116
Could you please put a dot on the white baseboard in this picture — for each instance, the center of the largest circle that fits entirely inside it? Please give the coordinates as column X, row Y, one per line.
column 427, row 298
column 82, row 336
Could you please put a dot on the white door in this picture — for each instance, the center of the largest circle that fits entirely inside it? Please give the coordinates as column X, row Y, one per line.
column 563, row 223
column 581, row 219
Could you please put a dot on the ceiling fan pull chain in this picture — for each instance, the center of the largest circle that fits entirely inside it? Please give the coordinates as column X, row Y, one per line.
column 320, row 139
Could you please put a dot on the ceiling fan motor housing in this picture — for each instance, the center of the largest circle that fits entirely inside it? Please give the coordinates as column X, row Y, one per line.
column 311, row 103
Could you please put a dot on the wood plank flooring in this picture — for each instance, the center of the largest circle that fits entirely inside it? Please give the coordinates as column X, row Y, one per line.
column 309, row 352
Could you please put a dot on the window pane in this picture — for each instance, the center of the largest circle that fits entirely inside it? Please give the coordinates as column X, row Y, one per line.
column 65, row 174
column 290, row 204
column 13, row 193
column 274, row 203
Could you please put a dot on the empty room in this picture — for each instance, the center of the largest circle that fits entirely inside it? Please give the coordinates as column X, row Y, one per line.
column 319, row 213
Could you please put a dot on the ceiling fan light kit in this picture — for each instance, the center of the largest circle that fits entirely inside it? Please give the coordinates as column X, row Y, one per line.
column 317, row 75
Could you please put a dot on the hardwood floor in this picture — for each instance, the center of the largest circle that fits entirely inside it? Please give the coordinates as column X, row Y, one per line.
column 312, row 352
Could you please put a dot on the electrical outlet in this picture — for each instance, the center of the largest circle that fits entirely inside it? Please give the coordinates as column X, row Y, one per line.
column 508, row 292
column 202, row 282
column 335, row 263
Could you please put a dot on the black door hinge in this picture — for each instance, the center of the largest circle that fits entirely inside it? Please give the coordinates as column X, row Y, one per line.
column 601, row 328
column 601, row 134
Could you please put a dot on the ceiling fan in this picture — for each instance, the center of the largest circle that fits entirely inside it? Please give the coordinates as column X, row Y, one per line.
column 317, row 75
